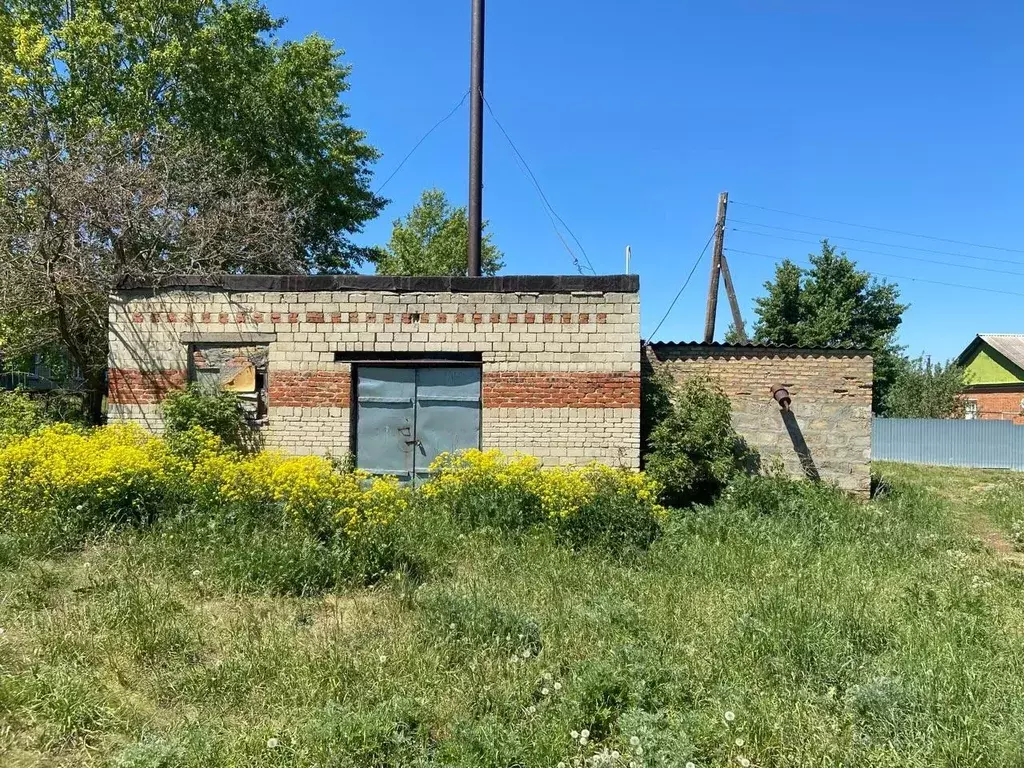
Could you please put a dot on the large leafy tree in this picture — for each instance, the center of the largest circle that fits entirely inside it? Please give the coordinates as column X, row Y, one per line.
column 832, row 303
column 210, row 72
column 432, row 239
column 76, row 222
column 926, row 390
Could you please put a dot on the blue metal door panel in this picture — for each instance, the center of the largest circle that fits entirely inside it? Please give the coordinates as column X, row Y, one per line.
column 407, row 417
column 447, row 413
column 385, row 421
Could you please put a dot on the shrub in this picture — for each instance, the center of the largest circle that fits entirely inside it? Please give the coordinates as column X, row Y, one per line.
column 61, row 484
column 583, row 505
column 219, row 413
column 694, row 450
column 307, row 490
column 20, row 414
column 486, row 488
column 619, row 509
column 656, row 389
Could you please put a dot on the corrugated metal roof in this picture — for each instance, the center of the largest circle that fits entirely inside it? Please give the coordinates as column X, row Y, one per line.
column 752, row 345
column 1009, row 345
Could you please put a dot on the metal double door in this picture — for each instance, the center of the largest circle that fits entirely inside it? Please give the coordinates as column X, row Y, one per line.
column 407, row 416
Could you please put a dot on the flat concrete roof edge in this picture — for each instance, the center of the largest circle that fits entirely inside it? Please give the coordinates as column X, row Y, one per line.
column 397, row 284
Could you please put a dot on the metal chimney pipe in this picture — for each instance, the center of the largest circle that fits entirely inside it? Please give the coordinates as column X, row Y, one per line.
column 476, row 141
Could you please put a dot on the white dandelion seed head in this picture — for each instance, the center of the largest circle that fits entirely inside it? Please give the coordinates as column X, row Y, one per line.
column 584, row 734
column 547, row 675
column 531, row 709
column 382, row 659
column 452, row 625
column 740, row 742
column 691, row 764
column 544, row 691
column 743, row 761
column 526, row 653
column 80, row 507
column 634, row 741
column 639, row 751
column 273, row 743
column 729, row 715
column 196, row 573
column 558, row 686
column 583, row 741
column 575, row 735
column 615, row 754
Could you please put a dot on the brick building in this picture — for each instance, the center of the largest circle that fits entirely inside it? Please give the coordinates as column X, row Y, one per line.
column 394, row 369
column 826, row 431
column 994, row 368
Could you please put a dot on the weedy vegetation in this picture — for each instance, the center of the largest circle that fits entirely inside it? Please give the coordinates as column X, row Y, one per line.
column 179, row 603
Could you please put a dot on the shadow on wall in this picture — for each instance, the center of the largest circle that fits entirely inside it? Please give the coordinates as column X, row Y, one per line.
column 800, row 446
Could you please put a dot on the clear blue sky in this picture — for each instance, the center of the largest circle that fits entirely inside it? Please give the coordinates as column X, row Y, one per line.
column 633, row 116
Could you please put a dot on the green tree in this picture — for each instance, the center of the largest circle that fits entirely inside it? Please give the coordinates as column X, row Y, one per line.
column 926, row 390
column 833, row 304
column 210, row 72
column 432, row 240
column 92, row 215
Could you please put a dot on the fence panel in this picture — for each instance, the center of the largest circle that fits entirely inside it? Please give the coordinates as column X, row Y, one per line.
column 949, row 443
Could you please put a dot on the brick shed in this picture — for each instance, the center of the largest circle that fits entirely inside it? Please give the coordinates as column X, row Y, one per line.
column 394, row 369
column 826, row 433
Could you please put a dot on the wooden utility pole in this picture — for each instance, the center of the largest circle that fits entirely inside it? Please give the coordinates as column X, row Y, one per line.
column 716, row 268
column 737, row 318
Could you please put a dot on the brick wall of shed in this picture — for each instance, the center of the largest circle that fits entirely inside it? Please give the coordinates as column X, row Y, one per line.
column 561, row 370
column 829, row 431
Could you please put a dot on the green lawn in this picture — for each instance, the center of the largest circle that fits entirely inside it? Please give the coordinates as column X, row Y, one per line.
column 783, row 630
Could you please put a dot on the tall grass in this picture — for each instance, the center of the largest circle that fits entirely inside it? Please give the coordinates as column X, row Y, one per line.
column 784, row 626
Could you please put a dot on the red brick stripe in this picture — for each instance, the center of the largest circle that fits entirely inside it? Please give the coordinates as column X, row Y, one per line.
column 143, row 387
column 310, row 389
column 290, row 318
column 537, row 389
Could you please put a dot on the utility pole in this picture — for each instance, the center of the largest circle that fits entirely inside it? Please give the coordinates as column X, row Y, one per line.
column 716, row 268
column 737, row 318
column 476, row 140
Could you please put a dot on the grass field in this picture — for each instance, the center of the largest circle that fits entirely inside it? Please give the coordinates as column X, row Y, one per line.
column 779, row 629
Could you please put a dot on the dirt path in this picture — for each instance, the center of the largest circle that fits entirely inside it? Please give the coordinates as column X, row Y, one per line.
column 989, row 533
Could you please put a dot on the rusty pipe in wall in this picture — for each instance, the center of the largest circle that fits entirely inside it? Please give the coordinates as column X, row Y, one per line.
column 781, row 395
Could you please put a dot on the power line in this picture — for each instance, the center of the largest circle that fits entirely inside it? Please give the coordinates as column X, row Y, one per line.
column 846, row 238
column 422, row 139
column 890, row 255
column 892, row 277
column 685, row 283
column 547, row 204
column 880, row 229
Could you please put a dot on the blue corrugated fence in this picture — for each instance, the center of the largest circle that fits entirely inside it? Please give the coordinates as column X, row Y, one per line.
column 949, row 443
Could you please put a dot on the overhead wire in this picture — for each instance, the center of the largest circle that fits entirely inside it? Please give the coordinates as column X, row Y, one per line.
column 887, row 275
column 890, row 255
column 685, row 283
column 548, row 208
column 423, row 138
column 846, row 238
column 877, row 229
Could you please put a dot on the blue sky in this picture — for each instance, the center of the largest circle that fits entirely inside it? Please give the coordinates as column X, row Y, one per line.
column 901, row 115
